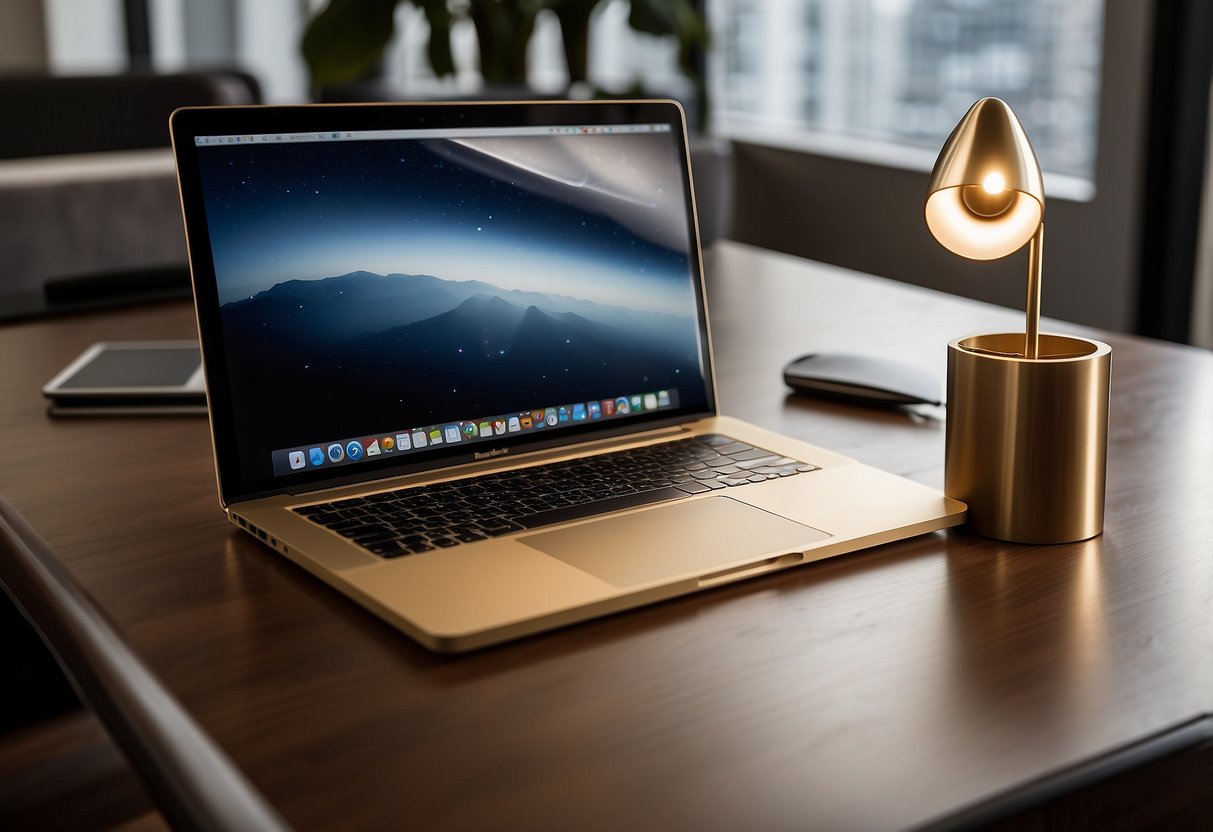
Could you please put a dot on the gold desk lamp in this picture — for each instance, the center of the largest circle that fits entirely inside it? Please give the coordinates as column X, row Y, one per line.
column 1027, row 424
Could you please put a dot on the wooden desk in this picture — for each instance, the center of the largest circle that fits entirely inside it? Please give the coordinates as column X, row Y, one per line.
column 887, row 689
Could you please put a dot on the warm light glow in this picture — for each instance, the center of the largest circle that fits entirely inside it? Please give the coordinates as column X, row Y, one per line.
column 982, row 233
column 994, row 183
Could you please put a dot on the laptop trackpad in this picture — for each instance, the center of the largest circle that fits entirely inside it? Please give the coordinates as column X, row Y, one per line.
column 696, row 537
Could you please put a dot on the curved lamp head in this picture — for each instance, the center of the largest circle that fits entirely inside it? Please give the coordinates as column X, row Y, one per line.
column 986, row 197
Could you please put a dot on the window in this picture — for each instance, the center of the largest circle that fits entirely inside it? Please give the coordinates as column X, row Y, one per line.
column 887, row 80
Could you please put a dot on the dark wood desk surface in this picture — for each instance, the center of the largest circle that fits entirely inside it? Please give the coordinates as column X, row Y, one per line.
column 883, row 689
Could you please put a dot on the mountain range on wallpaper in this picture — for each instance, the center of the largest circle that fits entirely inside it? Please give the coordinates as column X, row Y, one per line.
column 363, row 352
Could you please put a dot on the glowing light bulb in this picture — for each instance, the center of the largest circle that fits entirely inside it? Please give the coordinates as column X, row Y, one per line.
column 994, row 183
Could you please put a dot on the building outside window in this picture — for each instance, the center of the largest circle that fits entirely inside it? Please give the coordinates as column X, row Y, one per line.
column 887, row 80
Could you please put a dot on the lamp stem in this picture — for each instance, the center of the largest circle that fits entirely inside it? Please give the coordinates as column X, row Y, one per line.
column 1035, row 262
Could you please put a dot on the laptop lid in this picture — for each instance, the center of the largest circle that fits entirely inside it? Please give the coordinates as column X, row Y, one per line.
column 385, row 289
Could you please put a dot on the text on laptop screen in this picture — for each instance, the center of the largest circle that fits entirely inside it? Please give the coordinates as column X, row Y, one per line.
column 391, row 293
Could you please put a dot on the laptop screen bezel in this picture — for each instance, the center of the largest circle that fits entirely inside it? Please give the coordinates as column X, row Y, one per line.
column 188, row 123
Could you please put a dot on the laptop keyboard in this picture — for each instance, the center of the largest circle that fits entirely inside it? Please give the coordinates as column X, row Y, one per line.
column 421, row 518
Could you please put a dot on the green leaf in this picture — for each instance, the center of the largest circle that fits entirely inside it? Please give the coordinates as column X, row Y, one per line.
column 345, row 42
column 669, row 17
column 504, row 29
column 678, row 18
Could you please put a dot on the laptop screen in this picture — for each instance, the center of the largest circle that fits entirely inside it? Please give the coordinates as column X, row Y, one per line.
column 407, row 295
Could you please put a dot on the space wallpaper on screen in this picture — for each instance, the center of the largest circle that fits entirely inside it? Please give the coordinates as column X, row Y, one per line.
column 370, row 286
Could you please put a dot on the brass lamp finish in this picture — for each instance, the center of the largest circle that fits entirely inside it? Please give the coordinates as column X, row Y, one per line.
column 1027, row 439
column 1027, row 425
column 986, row 197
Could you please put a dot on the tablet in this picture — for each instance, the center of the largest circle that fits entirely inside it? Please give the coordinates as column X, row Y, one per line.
column 126, row 377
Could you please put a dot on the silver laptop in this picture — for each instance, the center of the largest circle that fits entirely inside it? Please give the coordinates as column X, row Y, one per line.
column 458, row 367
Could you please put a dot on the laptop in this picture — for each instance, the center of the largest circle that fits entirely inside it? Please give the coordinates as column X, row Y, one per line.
column 458, row 366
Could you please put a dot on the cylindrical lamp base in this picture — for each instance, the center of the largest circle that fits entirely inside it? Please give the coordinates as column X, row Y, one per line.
column 1027, row 440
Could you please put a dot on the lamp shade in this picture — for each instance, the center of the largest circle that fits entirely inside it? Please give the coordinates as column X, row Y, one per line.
column 986, row 196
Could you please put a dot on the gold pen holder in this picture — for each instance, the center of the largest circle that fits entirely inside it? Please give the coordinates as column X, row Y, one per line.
column 1027, row 439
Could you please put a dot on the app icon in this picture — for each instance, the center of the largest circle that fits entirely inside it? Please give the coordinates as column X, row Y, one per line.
column 636, row 404
column 663, row 398
column 335, row 453
column 514, row 425
column 403, row 442
column 537, row 416
column 436, row 436
column 452, row 433
column 549, row 416
column 579, row 413
column 470, row 430
column 563, row 413
column 498, row 427
column 622, row 407
column 526, row 422
column 388, row 443
column 353, row 450
column 650, row 401
column 316, row 456
column 595, row 409
column 418, row 439
column 486, row 429
column 372, row 447
column 608, row 407
column 296, row 459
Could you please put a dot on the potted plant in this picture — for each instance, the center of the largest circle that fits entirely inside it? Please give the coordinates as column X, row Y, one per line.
column 346, row 40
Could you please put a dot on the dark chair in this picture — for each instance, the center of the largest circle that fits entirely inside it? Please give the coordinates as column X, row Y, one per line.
column 58, row 767
column 96, row 230
column 51, row 115
column 192, row 781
